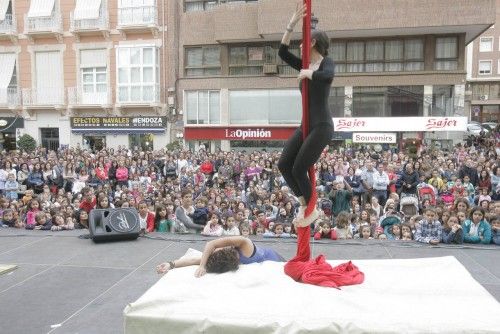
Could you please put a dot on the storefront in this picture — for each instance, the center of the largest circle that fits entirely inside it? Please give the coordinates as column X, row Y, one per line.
column 392, row 130
column 145, row 133
column 237, row 137
column 8, row 127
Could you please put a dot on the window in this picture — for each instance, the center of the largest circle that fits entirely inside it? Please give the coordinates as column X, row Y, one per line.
column 388, row 101
column 203, row 107
column 442, row 101
column 446, row 53
column 93, row 72
column 378, row 55
column 137, row 12
column 336, row 101
column 484, row 67
column 200, row 5
column 275, row 106
column 203, row 61
column 250, row 60
column 138, row 74
column 486, row 44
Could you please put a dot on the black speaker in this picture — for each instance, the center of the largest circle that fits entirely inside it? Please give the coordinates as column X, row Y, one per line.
column 114, row 224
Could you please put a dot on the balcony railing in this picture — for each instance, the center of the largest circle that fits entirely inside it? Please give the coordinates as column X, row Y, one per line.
column 43, row 24
column 138, row 95
column 8, row 25
column 77, row 97
column 138, row 16
column 10, row 97
column 100, row 23
column 47, row 96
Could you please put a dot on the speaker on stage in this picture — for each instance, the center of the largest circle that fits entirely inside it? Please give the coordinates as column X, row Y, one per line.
column 114, row 224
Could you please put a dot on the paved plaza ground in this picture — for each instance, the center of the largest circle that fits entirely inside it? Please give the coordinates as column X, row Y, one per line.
column 62, row 279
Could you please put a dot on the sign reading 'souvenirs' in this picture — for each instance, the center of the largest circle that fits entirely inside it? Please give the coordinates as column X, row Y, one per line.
column 118, row 123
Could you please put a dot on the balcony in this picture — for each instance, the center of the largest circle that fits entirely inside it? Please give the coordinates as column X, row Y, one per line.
column 87, row 27
column 8, row 28
column 46, row 98
column 138, row 97
column 138, row 19
column 50, row 26
column 78, row 99
column 10, row 98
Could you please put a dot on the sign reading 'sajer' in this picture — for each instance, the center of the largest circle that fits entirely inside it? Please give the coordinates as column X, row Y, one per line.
column 104, row 123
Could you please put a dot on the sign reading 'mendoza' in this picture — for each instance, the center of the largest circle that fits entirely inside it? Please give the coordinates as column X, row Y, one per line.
column 400, row 124
column 96, row 123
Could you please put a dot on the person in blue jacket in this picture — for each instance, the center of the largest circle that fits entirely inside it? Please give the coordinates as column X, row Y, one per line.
column 495, row 227
column 476, row 228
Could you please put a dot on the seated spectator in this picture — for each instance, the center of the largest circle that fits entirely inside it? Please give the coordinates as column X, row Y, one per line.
column 11, row 187
column 342, row 226
column 324, row 230
column 163, row 223
column 429, row 229
column 230, row 226
column 277, row 232
column 452, row 231
column 42, row 222
column 495, row 230
column 213, row 227
column 476, row 229
column 8, row 219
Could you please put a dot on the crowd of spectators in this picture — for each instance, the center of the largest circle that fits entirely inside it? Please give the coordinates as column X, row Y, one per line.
column 436, row 196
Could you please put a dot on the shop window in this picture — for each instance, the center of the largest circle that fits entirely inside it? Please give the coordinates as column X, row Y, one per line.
column 94, row 143
column 50, row 138
column 388, row 101
column 142, row 141
column 203, row 107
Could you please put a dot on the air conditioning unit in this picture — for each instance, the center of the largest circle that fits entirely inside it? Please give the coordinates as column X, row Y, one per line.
column 484, row 98
column 270, row 69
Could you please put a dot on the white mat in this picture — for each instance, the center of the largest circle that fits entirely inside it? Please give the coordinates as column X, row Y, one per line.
column 430, row 295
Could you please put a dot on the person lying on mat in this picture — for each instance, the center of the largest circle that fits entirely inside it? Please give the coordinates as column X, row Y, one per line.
column 223, row 255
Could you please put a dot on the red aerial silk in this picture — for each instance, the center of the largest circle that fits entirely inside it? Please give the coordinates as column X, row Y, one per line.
column 317, row 271
column 306, row 52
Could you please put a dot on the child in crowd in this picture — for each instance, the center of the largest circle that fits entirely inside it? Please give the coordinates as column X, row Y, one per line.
column 230, row 226
column 394, row 232
column 245, row 229
column 342, row 226
column 146, row 218
column 8, row 219
column 324, row 230
column 277, row 232
column 212, row 227
column 452, row 231
column 366, row 232
column 200, row 215
column 42, row 222
column 476, row 228
column 495, row 230
column 429, row 230
column 33, row 209
column 60, row 224
column 11, row 187
column 406, row 233
column 82, row 219
column 163, row 223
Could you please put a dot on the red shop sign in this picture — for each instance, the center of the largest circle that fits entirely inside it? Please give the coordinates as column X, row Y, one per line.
column 239, row 133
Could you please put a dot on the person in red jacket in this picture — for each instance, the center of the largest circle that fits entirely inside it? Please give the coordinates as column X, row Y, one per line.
column 122, row 175
column 317, row 271
column 89, row 200
column 207, row 167
column 146, row 218
column 324, row 230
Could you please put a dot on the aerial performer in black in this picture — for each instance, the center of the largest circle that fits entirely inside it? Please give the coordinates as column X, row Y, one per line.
column 305, row 146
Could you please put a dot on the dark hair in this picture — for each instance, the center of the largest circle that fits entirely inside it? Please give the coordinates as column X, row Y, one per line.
column 223, row 260
column 322, row 42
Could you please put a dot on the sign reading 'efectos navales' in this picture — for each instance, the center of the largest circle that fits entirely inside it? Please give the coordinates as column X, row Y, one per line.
column 95, row 123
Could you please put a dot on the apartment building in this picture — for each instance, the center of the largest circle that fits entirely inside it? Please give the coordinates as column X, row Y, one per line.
column 483, row 75
column 83, row 72
column 393, row 58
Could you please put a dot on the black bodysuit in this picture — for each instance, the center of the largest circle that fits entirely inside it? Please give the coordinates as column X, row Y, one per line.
column 298, row 155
